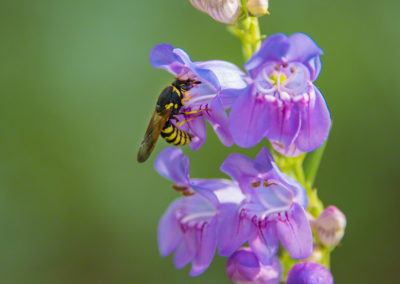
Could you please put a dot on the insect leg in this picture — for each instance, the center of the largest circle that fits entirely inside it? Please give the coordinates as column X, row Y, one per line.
column 180, row 123
column 195, row 111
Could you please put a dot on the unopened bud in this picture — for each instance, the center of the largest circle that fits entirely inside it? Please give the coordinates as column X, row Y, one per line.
column 257, row 8
column 224, row 11
column 309, row 273
column 245, row 268
column 330, row 226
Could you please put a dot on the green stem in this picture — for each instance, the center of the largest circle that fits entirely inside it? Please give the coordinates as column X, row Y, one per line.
column 248, row 31
column 312, row 164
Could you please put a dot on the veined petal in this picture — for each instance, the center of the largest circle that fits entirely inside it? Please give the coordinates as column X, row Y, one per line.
column 304, row 49
column 265, row 243
column 247, row 119
column 294, row 232
column 233, row 229
column 206, row 248
column 173, row 165
column 224, row 11
column 283, row 123
column 186, row 251
column 169, row 234
column 219, row 121
column 197, row 127
column 229, row 76
column 274, row 48
column 315, row 123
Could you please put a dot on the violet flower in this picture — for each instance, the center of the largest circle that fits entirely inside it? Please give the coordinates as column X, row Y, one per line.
column 273, row 210
column 282, row 102
column 309, row 273
column 244, row 267
column 189, row 226
column 221, row 83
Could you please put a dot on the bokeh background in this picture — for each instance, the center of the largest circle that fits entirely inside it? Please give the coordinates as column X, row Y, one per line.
column 77, row 91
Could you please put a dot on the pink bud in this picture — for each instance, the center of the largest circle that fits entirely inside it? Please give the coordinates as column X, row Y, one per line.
column 330, row 226
column 224, row 11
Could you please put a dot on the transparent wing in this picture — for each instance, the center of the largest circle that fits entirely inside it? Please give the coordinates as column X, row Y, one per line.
column 154, row 128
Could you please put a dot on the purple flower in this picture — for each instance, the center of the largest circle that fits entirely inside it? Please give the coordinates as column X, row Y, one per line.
column 309, row 273
column 282, row 102
column 189, row 226
column 244, row 267
column 221, row 83
column 273, row 210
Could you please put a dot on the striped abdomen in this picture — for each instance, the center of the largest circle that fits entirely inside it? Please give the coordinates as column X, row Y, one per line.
column 174, row 135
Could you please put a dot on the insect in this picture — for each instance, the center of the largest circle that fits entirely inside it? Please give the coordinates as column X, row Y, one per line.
column 168, row 105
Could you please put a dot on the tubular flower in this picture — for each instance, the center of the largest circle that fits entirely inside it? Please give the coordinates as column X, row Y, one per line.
column 190, row 224
column 224, row 11
column 244, row 267
column 282, row 102
column 221, row 83
column 309, row 273
column 273, row 210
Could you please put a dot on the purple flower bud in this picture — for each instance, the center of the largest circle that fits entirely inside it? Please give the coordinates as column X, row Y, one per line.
column 330, row 226
column 224, row 11
column 244, row 267
column 257, row 8
column 309, row 273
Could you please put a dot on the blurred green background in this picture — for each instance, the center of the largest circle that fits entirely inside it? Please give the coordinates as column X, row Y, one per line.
column 77, row 91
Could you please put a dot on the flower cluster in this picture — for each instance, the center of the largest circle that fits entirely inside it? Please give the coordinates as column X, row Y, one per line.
column 276, row 99
column 260, row 205
column 247, row 217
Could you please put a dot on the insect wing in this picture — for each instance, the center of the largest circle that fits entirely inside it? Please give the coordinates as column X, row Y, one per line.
column 156, row 124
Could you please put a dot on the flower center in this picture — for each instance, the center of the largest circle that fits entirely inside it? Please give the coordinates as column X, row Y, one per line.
column 282, row 81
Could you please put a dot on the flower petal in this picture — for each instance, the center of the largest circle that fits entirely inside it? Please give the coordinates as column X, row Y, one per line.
column 219, row 121
column 283, row 123
column 173, row 165
column 163, row 56
column 233, row 229
column 206, row 248
column 294, row 232
column 186, row 251
column 247, row 119
column 169, row 233
column 304, row 49
column 197, row 127
column 228, row 75
column 274, row 48
column 315, row 123
column 265, row 244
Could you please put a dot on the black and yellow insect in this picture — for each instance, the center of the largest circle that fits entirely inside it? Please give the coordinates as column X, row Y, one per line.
column 168, row 105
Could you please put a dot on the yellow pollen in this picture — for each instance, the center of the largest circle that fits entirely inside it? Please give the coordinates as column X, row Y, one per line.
column 274, row 77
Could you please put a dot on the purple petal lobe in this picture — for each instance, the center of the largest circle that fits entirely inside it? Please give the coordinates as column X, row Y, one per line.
column 169, row 233
column 233, row 230
column 219, row 121
column 206, row 248
column 163, row 56
column 283, row 124
column 294, row 232
column 248, row 119
column 173, row 165
column 274, row 48
column 197, row 127
column 229, row 76
column 265, row 244
column 315, row 123
column 186, row 251
column 304, row 49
